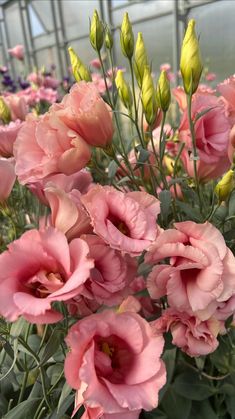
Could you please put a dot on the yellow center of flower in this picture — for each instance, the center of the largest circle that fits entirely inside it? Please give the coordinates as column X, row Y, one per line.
column 107, row 349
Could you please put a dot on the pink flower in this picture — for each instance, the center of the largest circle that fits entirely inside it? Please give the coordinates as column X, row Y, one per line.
column 126, row 221
column 47, row 94
column 111, row 275
column 38, row 269
column 8, row 135
column 210, row 76
column 227, row 90
column 95, row 63
column 35, row 78
column 201, row 273
column 50, row 82
column 18, row 106
column 46, row 146
column 67, row 212
column 212, row 138
column 99, row 82
column 8, row 177
column 193, row 336
column 165, row 67
column 84, row 111
column 114, row 363
column 17, row 52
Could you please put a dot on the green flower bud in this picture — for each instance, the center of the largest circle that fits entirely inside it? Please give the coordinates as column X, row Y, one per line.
column 80, row 71
column 127, row 37
column 140, row 59
column 225, row 186
column 5, row 113
column 96, row 32
column 124, row 90
column 149, row 97
column 190, row 61
column 108, row 39
column 163, row 92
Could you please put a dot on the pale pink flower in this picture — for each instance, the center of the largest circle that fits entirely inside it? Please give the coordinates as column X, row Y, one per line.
column 95, row 63
column 46, row 146
column 114, row 363
column 84, row 111
column 47, row 94
column 8, row 135
column 67, row 212
column 109, row 279
column 35, row 78
column 99, row 82
column 38, row 269
column 126, row 221
column 226, row 309
column 181, row 98
column 165, row 67
column 50, row 82
column 227, row 90
column 18, row 106
column 212, row 138
column 210, row 76
column 17, row 52
column 201, row 273
column 8, row 177
column 193, row 336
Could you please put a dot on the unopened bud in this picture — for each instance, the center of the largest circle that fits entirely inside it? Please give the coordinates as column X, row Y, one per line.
column 149, row 97
column 127, row 37
column 80, row 71
column 96, row 32
column 163, row 92
column 5, row 113
column 108, row 39
column 225, row 186
column 124, row 90
column 190, row 62
column 140, row 59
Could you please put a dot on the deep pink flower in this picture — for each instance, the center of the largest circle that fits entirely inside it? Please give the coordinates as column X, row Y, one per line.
column 114, row 363
column 126, row 221
column 38, row 269
column 8, row 135
column 95, row 63
column 17, row 52
column 201, row 273
column 212, row 138
column 193, row 336
column 111, row 275
column 210, row 76
column 46, row 146
column 8, row 177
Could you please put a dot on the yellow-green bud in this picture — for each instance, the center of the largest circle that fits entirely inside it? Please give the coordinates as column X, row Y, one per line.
column 96, row 32
column 108, row 38
column 225, row 186
column 124, row 90
column 190, row 62
column 80, row 71
column 140, row 59
column 5, row 113
column 163, row 92
column 127, row 37
column 149, row 97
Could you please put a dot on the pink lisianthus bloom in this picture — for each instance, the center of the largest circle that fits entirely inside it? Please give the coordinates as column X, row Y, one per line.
column 114, row 363
column 193, row 336
column 98, row 413
column 212, row 138
column 17, row 52
column 50, row 82
column 126, row 221
column 95, row 63
column 67, row 212
column 210, row 76
column 81, row 181
column 47, row 94
column 201, row 273
column 8, row 135
column 111, row 275
column 8, row 177
column 38, row 269
column 227, row 90
column 35, row 78
column 46, row 146
column 181, row 98
column 84, row 111
column 226, row 309
column 18, row 106
column 99, row 82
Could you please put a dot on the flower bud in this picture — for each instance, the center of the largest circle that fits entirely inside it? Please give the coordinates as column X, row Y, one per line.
column 5, row 113
column 108, row 39
column 225, row 186
column 127, row 37
column 163, row 92
column 149, row 97
column 124, row 90
column 140, row 59
column 80, row 71
column 96, row 32
column 190, row 62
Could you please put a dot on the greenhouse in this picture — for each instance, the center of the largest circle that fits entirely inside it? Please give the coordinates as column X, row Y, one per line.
column 117, row 209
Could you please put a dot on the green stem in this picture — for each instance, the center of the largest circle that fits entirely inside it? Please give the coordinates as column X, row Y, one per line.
column 23, row 387
column 135, row 105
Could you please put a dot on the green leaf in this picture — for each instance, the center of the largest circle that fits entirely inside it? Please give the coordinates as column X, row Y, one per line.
column 24, row 410
column 66, row 390
column 231, row 204
column 230, row 403
column 192, row 213
column 52, row 345
column 168, row 357
column 176, row 406
column 202, row 410
column 18, row 326
column 221, row 358
column 54, row 372
column 142, row 157
column 165, row 203
column 191, row 386
column 112, row 169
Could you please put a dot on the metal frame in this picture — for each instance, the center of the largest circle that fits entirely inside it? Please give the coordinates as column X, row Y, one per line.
column 179, row 13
